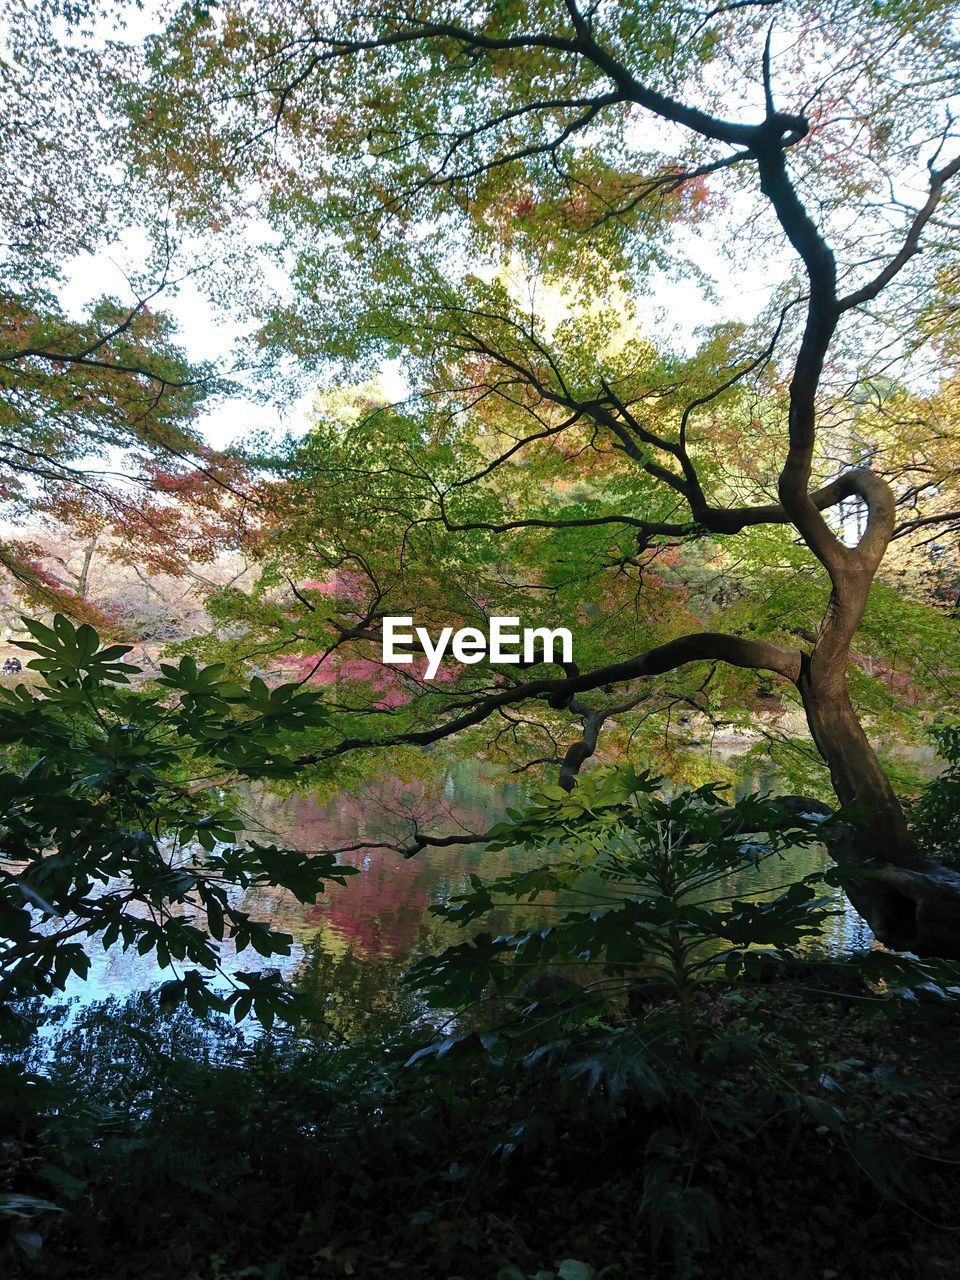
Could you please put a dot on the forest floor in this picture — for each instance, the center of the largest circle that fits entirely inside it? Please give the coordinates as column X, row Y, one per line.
column 275, row 1168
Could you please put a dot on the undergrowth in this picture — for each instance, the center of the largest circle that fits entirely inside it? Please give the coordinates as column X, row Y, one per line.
column 655, row 1080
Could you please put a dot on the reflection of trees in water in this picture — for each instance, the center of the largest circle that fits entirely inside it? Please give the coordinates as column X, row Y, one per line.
column 361, row 996
column 358, row 938
column 467, row 797
column 361, row 945
column 358, row 998
column 381, row 912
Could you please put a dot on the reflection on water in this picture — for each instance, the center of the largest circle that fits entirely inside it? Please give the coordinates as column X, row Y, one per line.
column 352, row 946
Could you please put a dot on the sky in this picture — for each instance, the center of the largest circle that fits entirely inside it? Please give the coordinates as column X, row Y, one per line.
column 203, row 332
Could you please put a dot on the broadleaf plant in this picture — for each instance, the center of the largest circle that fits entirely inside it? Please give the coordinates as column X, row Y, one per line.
column 642, row 985
column 648, row 868
column 115, row 826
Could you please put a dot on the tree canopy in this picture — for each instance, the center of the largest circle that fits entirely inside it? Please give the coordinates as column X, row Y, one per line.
column 99, row 406
column 509, row 203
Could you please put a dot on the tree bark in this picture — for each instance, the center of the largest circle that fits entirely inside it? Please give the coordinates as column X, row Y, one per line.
column 910, row 903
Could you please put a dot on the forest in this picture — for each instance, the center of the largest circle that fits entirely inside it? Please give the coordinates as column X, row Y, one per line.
column 479, row 639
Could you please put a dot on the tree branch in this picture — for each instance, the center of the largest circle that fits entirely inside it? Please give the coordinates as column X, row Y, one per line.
column 911, row 245
column 709, row 646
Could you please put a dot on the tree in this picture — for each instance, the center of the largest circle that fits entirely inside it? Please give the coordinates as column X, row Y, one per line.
column 98, row 411
column 486, row 193
column 123, row 583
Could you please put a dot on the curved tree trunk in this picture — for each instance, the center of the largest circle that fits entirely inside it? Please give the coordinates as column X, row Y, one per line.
column 910, row 903
column 860, row 782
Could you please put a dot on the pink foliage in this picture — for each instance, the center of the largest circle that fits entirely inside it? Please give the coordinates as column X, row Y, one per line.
column 390, row 682
column 387, row 681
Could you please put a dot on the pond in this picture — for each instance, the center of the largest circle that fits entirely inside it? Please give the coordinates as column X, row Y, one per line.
column 351, row 947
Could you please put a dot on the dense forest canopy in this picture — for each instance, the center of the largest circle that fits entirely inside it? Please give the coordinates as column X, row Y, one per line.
column 743, row 505
column 497, row 199
column 637, row 321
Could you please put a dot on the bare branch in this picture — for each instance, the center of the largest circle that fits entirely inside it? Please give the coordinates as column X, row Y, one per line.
column 911, row 245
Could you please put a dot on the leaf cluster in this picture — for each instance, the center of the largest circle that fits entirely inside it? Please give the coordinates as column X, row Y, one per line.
column 115, row 826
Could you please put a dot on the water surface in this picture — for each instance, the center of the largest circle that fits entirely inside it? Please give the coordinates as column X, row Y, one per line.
column 351, row 947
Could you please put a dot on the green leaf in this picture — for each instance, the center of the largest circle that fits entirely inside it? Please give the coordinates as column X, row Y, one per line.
column 570, row 1269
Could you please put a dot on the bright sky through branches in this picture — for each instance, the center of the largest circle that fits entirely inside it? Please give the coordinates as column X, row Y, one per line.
column 675, row 307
